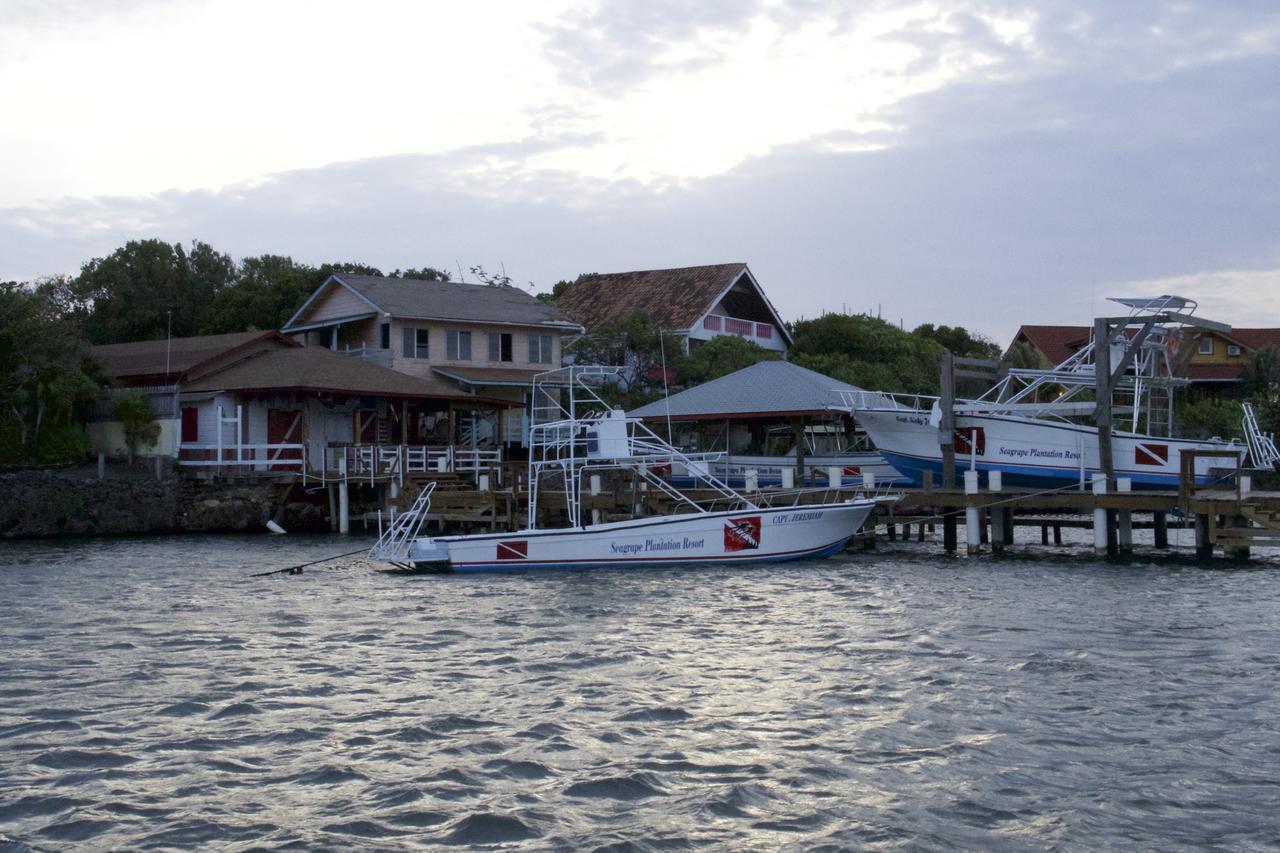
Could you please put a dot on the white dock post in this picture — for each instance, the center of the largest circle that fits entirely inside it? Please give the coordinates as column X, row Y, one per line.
column 1246, row 484
column 595, row 490
column 752, row 483
column 972, row 515
column 1100, row 516
column 788, row 478
column 835, row 476
column 482, row 482
column 344, row 498
column 1124, row 519
column 995, row 481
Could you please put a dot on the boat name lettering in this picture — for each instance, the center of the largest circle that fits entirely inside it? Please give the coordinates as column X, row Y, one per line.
column 812, row 515
column 651, row 545
column 911, row 419
column 1037, row 453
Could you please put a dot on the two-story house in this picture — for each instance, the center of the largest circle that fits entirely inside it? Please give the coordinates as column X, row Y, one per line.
column 698, row 303
column 486, row 340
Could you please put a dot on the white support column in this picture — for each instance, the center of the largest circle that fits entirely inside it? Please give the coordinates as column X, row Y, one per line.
column 344, row 499
column 972, row 515
column 1124, row 519
column 1100, row 516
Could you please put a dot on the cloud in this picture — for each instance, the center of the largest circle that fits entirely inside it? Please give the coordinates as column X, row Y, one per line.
column 1106, row 152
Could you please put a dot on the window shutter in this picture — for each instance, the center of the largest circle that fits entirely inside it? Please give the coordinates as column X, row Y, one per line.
column 409, row 341
column 495, row 346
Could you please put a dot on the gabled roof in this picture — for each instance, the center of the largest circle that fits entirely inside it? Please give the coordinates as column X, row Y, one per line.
column 1058, row 343
column 443, row 300
column 765, row 389
column 318, row 370
column 673, row 298
column 165, row 360
column 1256, row 339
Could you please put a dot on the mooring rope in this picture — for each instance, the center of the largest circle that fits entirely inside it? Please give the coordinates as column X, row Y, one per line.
column 297, row 570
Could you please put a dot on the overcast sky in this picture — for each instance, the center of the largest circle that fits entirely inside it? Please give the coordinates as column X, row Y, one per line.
column 981, row 163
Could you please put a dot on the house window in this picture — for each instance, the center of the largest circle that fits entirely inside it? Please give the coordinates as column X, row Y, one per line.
column 739, row 327
column 1206, row 346
column 711, row 323
column 190, row 424
column 325, row 338
column 458, row 345
column 539, row 349
column 386, row 336
column 416, row 343
column 764, row 331
column 1233, row 349
column 499, row 346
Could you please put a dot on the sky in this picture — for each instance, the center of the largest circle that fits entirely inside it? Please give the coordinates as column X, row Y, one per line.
column 986, row 164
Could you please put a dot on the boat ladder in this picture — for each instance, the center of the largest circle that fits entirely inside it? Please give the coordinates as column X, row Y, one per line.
column 394, row 543
column 1262, row 445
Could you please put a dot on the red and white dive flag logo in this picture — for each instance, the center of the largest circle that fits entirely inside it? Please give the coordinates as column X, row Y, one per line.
column 516, row 550
column 1151, row 454
column 742, row 534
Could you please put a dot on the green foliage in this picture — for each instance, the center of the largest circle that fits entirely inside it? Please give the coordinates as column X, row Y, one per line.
column 142, row 290
column 1024, row 355
column 133, row 411
column 635, row 344
column 557, row 290
column 44, row 371
column 423, row 274
column 1261, row 376
column 1209, row 418
column 959, row 341
column 267, row 291
column 867, row 352
column 720, row 356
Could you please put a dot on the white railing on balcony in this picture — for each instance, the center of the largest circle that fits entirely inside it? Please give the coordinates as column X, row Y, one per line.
column 244, row 458
column 396, row 460
column 720, row 325
column 376, row 355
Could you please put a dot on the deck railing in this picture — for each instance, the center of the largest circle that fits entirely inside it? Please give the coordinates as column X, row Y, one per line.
column 388, row 460
column 244, row 458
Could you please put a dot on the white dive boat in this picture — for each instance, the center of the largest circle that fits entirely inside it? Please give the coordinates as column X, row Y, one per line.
column 1027, row 425
column 573, row 437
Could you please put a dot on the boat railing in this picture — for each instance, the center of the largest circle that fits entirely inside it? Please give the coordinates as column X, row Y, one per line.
column 851, row 401
column 1262, row 445
column 394, row 543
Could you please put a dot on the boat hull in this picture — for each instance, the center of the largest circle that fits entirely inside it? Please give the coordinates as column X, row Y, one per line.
column 764, row 535
column 1035, row 453
column 732, row 470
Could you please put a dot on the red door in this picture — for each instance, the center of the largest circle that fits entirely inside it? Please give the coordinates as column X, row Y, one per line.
column 284, row 427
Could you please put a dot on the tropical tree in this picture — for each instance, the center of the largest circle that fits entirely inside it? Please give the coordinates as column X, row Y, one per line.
column 868, row 352
column 133, row 411
column 650, row 359
column 421, row 274
column 959, row 341
column 721, row 356
column 148, row 288
column 45, row 373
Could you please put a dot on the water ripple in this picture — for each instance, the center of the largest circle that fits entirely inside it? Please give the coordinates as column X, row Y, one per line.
column 153, row 696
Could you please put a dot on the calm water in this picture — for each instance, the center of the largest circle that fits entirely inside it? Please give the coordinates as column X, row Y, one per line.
column 151, row 695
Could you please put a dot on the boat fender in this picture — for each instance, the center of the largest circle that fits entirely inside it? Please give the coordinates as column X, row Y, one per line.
column 275, row 528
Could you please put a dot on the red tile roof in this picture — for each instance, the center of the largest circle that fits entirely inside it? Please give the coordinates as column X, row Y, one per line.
column 1058, row 343
column 673, row 299
column 1256, row 339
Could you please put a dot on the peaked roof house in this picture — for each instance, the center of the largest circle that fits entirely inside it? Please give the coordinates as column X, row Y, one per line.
column 699, row 303
column 477, row 336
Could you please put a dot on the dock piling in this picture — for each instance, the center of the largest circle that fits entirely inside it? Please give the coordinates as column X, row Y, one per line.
column 972, row 514
column 1099, row 516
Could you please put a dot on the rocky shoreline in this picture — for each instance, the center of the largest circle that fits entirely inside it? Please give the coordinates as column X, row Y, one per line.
column 44, row 502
